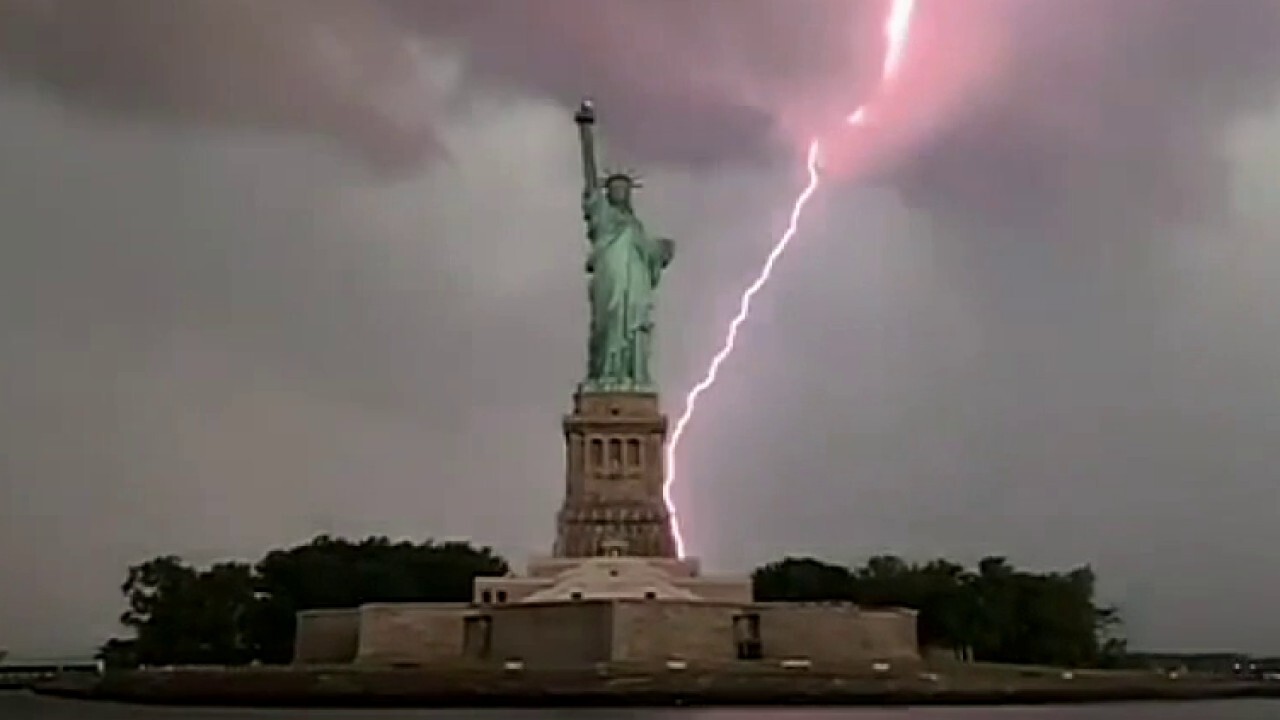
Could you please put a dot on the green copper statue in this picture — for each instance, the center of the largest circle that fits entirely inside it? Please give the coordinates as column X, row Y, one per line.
column 625, row 265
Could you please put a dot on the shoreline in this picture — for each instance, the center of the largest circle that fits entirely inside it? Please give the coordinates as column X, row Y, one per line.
column 452, row 687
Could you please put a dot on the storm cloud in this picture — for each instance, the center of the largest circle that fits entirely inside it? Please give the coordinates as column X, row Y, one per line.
column 1030, row 314
column 1141, row 90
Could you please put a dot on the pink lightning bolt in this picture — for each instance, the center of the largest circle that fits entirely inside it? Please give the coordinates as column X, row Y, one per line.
column 896, row 29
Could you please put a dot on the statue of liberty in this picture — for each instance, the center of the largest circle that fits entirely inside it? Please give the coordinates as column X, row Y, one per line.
column 625, row 265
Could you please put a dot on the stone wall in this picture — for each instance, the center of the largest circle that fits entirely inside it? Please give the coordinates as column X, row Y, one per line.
column 576, row 634
column 326, row 637
column 894, row 630
column 836, row 635
column 552, row 635
column 653, row 632
column 503, row 590
column 411, row 633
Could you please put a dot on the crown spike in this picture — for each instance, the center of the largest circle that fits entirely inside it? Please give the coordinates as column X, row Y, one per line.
column 631, row 175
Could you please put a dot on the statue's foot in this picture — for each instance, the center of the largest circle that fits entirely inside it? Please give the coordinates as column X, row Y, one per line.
column 617, row 386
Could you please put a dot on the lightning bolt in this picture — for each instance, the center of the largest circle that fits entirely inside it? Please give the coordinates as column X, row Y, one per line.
column 731, row 337
column 896, row 30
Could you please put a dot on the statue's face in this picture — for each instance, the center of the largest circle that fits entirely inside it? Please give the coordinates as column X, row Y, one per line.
column 618, row 191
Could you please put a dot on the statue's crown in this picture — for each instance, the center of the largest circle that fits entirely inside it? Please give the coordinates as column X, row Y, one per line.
column 631, row 176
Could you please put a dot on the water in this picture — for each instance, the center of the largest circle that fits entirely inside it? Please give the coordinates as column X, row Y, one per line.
column 20, row 706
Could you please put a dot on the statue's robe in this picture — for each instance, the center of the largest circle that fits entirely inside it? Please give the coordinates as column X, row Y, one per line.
column 625, row 265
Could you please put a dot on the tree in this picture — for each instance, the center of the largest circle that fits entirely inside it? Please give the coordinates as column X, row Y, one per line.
column 994, row 612
column 181, row 615
column 225, row 612
column 336, row 573
column 233, row 613
column 1114, row 649
column 119, row 653
column 801, row 580
column 158, row 591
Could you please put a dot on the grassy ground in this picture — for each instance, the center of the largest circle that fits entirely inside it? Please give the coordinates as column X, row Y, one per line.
column 738, row 685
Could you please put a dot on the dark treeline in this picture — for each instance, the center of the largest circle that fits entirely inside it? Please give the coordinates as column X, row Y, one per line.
column 993, row 613
column 234, row 613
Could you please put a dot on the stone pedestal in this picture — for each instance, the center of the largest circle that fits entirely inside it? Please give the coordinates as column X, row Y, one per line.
column 614, row 473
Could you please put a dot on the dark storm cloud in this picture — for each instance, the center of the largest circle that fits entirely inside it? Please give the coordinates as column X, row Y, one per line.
column 346, row 69
column 1067, row 100
column 315, row 66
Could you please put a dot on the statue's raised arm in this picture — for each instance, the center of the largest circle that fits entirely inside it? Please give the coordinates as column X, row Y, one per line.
column 586, row 120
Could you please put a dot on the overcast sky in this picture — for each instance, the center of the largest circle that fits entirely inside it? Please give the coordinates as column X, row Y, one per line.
column 268, row 274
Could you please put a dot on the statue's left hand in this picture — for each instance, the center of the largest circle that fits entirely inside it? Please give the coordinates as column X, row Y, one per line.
column 666, row 249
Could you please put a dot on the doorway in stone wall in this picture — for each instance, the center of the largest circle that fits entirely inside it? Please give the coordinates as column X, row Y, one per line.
column 746, row 635
column 477, row 637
